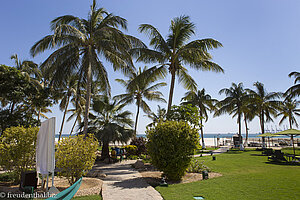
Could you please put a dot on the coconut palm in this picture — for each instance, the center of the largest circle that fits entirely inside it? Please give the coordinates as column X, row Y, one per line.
column 265, row 105
column 70, row 90
column 248, row 111
column 141, row 86
column 204, row 102
column 110, row 124
column 175, row 52
column 77, row 111
column 233, row 104
column 156, row 118
column 294, row 91
column 289, row 110
column 80, row 43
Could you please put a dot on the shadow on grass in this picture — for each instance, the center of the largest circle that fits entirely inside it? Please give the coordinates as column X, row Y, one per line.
column 283, row 163
column 255, row 154
column 234, row 152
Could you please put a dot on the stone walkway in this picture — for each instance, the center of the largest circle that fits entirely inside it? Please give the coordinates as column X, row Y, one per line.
column 124, row 182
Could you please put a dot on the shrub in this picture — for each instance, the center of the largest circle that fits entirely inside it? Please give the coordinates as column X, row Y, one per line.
column 131, row 150
column 75, row 156
column 17, row 149
column 197, row 167
column 140, row 143
column 170, row 145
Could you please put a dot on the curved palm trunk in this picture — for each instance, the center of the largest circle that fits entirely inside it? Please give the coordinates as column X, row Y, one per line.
column 292, row 137
column 171, row 90
column 39, row 114
column 202, row 135
column 105, row 150
column 64, row 117
column 240, row 133
column 136, row 118
column 74, row 125
column 88, row 98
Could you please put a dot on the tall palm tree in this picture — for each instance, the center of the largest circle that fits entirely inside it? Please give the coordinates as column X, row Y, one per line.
column 111, row 123
column 265, row 104
column 294, row 91
column 79, row 43
column 175, row 52
column 232, row 104
column 204, row 102
column 78, row 103
column 70, row 90
column 289, row 110
column 248, row 111
column 140, row 86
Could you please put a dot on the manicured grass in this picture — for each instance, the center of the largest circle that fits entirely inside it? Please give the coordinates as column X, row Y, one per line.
column 246, row 175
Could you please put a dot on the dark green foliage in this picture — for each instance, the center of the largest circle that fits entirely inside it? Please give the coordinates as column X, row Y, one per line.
column 170, row 145
column 131, row 150
column 140, row 143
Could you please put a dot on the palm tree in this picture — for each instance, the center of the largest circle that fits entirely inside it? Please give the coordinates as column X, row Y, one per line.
column 204, row 102
column 140, row 86
column 265, row 105
column 79, row 43
column 289, row 110
column 233, row 104
column 78, row 103
column 70, row 90
column 294, row 91
column 248, row 111
column 27, row 67
column 176, row 52
column 156, row 118
column 111, row 124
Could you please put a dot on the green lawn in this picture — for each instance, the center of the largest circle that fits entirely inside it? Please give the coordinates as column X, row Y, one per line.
column 91, row 197
column 246, row 175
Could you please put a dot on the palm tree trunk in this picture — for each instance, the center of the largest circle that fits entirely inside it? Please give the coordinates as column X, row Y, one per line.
column 74, row 125
column 39, row 114
column 136, row 118
column 246, row 127
column 105, row 150
column 171, row 90
column 202, row 135
column 64, row 117
column 262, row 124
column 240, row 132
column 88, row 98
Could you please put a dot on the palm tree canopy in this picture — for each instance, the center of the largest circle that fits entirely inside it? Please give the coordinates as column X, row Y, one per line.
column 294, row 91
column 139, row 86
column 79, row 41
column 289, row 110
column 202, row 100
column 176, row 52
column 110, row 123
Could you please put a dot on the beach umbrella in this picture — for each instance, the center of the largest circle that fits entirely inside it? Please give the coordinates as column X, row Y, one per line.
column 292, row 133
column 268, row 135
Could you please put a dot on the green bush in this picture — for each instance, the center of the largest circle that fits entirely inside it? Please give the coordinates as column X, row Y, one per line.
column 17, row 149
column 75, row 156
column 131, row 150
column 170, row 146
column 140, row 143
column 197, row 167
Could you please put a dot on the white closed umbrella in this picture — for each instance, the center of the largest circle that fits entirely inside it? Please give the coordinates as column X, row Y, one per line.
column 45, row 149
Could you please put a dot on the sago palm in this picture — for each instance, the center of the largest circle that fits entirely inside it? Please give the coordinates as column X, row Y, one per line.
column 233, row 104
column 265, row 104
column 204, row 102
column 175, row 53
column 82, row 44
column 289, row 110
column 141, row 86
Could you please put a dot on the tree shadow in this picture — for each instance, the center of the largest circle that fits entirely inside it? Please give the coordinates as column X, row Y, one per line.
column 283, row 163
column 138, row 182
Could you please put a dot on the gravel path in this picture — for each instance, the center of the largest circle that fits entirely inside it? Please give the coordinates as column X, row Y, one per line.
column 124, row 182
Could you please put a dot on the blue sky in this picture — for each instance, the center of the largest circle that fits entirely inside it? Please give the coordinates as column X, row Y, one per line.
column 260, row 38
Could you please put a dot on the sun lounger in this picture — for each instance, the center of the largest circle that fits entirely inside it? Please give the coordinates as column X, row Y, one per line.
column 277, row 156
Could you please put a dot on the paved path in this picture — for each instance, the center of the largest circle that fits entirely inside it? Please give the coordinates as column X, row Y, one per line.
column 124, row 182
column 217, row 151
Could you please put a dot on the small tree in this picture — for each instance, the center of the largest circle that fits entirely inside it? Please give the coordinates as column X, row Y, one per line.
column 17, row 149
column 170, row 145
column 75, row 156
